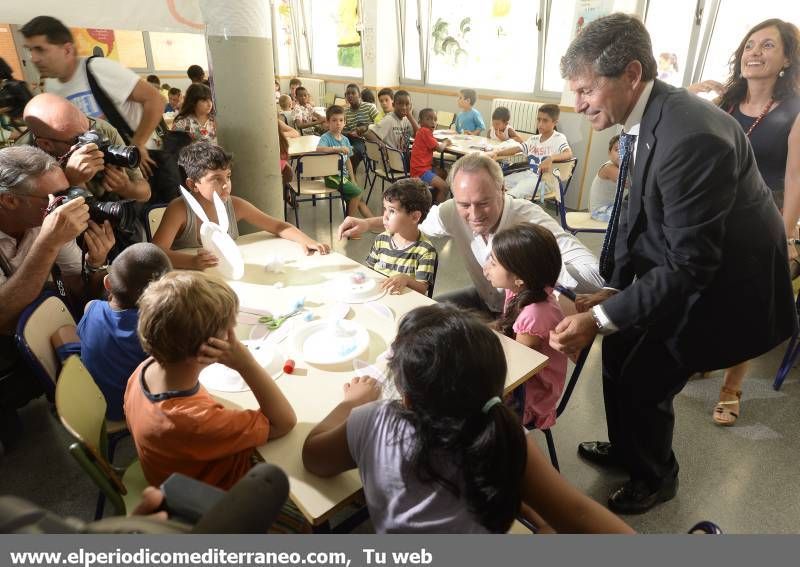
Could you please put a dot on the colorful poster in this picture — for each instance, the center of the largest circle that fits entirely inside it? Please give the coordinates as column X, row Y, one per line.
column 87, row 39
column 585, row 11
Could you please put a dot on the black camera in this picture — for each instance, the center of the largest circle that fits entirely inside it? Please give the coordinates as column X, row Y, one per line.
column 123, row 156
column 14, row 95
column 118, row 213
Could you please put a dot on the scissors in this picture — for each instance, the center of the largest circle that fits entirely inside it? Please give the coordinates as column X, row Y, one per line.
column 273, row 323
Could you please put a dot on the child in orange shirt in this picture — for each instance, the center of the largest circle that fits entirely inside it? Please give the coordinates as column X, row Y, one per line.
column 186, row 322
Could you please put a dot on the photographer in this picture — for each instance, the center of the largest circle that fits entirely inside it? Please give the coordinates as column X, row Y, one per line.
column 54, row 126
column 32, row 243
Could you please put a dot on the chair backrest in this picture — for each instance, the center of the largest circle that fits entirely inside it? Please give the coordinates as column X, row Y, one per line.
column 328, row 99
column 320, row 165
column 339, row 101
column 396, row 160
column 374, row 152
column 36, row 325
column 573, row 379
column 444, row 119
column 564, row 171
column 81, row 405
column 154, row 216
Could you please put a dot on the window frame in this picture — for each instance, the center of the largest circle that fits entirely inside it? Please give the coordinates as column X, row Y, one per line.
column 300, row 29
column 696, row 53
column 401, row 35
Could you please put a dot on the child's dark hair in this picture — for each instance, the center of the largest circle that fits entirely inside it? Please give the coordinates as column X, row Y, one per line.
column 412, row 195
column 351, row 87
column 154, row 80
column 447, row 364
column 501, row 113
column 470, row 95
column 53, row 29
column 614, row 139
column 386, row 91
column 399, row 94
column 174, row 91
column 531, row 253
column 194, row 94
column 201, row 157
column 551, row 110
column 195, row 73
column 294, row 81
column 425, row 111
column 132, row 271
column 368, row 96
column 333, row 110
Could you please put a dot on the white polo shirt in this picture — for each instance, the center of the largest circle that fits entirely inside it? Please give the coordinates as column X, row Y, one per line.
column 444, row 220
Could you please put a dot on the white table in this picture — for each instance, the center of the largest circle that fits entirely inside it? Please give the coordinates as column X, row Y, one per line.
column 314, row 391
column 463, row 144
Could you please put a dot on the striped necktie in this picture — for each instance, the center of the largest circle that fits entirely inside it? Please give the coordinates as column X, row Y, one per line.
column 626, row 142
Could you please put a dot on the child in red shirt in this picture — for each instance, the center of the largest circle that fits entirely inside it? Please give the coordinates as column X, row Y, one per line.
column 422, row 155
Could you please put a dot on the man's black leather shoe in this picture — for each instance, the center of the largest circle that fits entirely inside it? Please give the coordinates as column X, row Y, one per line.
column 635, row 497
column 599, row 452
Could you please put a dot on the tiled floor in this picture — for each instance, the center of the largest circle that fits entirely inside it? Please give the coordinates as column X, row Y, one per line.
column 744, row 477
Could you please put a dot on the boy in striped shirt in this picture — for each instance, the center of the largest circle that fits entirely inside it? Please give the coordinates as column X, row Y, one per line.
column 402, row 252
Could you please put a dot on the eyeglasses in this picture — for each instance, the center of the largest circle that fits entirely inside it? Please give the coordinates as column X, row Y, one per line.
column 71, row 142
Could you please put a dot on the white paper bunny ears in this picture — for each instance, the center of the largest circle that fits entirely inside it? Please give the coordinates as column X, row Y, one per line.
column 215, row 237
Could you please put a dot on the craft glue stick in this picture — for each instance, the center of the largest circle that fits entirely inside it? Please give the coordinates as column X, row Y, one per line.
column 288, row 366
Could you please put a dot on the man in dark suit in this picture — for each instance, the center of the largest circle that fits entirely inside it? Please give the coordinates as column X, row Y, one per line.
column 697, row 266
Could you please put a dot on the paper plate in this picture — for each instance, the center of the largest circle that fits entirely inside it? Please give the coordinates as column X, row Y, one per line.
column 344, row 290
column 317, row 342
column 223, row 379
column 221, row 245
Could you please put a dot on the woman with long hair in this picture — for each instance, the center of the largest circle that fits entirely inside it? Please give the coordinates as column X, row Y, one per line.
column 763, row 95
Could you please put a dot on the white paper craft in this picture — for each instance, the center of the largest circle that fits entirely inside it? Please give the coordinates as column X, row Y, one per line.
column 223, row 379
column 215, row 237
column 330, row 341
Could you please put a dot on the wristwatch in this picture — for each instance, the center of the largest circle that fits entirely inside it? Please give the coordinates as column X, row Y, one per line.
column 604, row 325
column 94, row 269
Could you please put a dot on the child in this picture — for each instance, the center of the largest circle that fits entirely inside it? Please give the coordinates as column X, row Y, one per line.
column 303, row 114
column 402, row 252
column 604, row 185
column 542, row 150
column 448, row 456
column 385, row 99
column 469, row 120
column 397, row 128
column 525, row 261
column 105, row 337
column 277, row 90
column 196, row 115
column 208, row 171
column 294, row 84
column 186, row 322
column 285, row 103
column 334, row 141
column 501, row 129
column 367, row 95
column 174, row 100
column 358, row 116
column 422, row 155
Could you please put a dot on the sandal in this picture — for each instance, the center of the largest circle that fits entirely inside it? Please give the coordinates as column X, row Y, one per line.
column 723, row 414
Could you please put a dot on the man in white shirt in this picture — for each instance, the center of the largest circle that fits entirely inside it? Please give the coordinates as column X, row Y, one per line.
column 478, row 210
column 31, row 243
column 55, row 55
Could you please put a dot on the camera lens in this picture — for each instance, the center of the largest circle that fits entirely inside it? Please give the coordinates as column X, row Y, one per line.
column 123, row 156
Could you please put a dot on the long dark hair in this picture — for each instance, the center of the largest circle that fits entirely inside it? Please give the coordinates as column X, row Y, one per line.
column 194, row 94
column 447, row 364
column 531, row 253
column 786, row 86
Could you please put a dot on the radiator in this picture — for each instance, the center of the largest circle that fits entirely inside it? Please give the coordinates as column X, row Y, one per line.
column 523, row 113
column 316, row 88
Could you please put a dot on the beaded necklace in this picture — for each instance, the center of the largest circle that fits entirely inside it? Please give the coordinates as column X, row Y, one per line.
column 760, row 116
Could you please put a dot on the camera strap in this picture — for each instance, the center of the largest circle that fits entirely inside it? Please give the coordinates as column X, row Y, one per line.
column 107, row 105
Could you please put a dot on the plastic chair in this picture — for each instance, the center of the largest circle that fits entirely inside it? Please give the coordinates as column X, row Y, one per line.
column 561, row 170
column 444, row 119
column 575, row 221
column 310, row 171
column 36, row 325
column 339, row 101
column 562, row 404
column 82, row 409
column 397, row 164
column 328, row 99
column 790, row 357
column 154, row 214
column 376, row 167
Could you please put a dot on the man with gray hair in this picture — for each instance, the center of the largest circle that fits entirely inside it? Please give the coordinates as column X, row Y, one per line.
column 693, row 256
column 31, row 243
column 478, row 210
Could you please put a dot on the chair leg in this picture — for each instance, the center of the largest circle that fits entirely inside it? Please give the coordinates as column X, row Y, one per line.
column 551, row 448
column 792, row 351
column 100, row 506
column 296, row 217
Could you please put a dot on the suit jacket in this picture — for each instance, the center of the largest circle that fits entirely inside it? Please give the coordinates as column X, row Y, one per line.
column 700, row 253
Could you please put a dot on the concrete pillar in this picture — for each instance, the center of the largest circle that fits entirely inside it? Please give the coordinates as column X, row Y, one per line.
column 380, row 44
column 241, row 63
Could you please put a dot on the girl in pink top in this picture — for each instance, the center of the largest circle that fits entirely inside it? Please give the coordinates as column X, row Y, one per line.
column 525, row 261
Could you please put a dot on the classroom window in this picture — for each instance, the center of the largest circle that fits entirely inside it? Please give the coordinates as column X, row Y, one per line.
column 284, row 37
column 732, row 24
column 410, row 26
column 336, row 41
column 178, row 51
column 672, row 26
column 489, row 44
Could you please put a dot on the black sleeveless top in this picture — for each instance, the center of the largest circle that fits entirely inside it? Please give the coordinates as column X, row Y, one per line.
column 770, row 139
